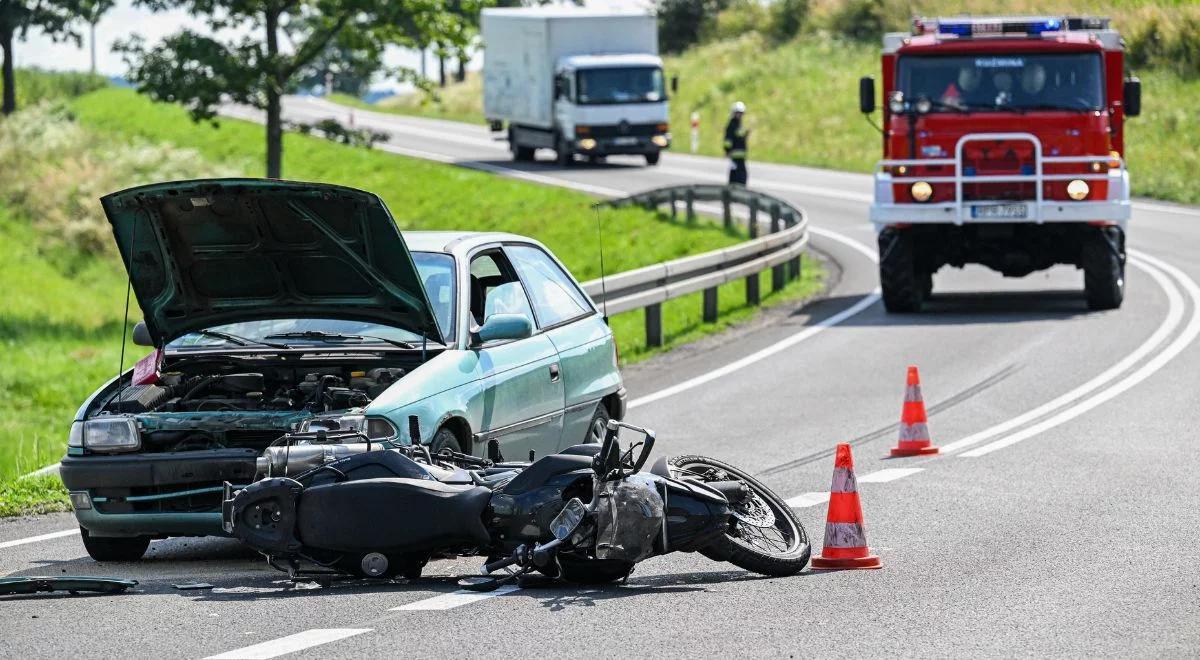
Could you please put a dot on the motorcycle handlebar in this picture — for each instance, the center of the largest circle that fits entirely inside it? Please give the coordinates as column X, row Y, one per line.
column 494, row 566
column 610, row 439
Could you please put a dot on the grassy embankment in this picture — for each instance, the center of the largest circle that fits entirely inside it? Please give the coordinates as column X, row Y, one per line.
column 60, row 321
column 803, row 94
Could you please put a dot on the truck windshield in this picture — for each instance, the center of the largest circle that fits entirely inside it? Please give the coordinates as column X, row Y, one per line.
column 620, row 85
column 999, row 81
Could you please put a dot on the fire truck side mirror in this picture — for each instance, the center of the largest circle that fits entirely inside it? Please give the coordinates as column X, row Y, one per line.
column 1133, row 97
column 866, row 95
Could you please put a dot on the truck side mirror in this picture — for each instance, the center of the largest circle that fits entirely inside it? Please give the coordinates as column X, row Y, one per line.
column 1133, row 97
column 674, row 84
column 141, row 335
column 866, row 95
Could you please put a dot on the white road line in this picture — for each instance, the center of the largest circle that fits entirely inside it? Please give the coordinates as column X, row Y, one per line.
column 1148, row 369
column 40, row 537
column 808, row 499
column 453, row 600
column 888, row 474
column 290, row 644
column 878, row 477
column 1164, row 208
column 1175, row 308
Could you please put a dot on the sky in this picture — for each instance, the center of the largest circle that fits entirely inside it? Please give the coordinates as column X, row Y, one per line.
column 125, row 20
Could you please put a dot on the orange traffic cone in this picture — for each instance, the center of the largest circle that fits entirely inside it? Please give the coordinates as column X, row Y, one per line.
column 845, row 535
column 914, row 427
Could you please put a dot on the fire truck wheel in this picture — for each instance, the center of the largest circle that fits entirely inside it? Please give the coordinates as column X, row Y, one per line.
column 903, row 290
column 1104, row 269
column 926, row 284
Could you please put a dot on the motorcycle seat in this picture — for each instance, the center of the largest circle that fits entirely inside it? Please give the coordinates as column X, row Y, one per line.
column 543, row 469
column 392, row 514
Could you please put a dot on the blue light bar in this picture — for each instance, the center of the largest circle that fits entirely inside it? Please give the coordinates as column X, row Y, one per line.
column 978, row 27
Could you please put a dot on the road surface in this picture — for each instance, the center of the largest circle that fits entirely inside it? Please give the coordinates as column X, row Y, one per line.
column 1059, row 520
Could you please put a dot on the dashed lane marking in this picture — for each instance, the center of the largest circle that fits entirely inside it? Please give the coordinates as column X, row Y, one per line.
column 453, row 600
column 290, row 644
column 40, row 537
column 878, row 477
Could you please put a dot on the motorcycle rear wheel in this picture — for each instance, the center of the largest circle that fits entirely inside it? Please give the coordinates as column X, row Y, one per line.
column 779, row 549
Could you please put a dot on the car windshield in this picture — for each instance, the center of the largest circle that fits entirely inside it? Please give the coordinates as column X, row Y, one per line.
column 1014, row 81
column 436, row 270
column 635, row 84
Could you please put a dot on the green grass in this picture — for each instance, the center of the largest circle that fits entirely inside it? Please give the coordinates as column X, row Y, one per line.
column 61, row 316
column 803, row 107
column 33, row 495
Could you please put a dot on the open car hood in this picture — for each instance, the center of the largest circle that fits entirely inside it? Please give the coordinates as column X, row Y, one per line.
column 214, row 251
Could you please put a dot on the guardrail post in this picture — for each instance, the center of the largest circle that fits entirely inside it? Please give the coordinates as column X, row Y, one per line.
column 654, row 329
column 710, row 305
column 673, row 210
column 778, row 273
column 690, row 196
column 753, row 217
column 794, row 264
column 726, row 216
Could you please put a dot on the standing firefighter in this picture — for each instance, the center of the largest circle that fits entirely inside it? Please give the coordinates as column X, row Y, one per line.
column 735, row 144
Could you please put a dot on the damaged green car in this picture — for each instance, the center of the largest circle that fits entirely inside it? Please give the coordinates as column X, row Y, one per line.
column 293, row 323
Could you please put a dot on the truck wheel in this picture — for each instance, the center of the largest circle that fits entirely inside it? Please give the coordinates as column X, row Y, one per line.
column 103, row 548
column 903, row 290
column 652, row 158
column 563, row 154
column 522, row 154
column 926, row 284
column 1103, row 269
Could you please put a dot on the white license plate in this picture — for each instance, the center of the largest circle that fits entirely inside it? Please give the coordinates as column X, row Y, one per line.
column 1015, row 211
column 622, row 141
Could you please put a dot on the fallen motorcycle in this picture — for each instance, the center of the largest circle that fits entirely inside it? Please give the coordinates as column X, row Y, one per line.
column 587, row 514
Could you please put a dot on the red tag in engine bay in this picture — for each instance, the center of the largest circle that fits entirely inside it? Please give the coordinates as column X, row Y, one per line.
column 145, row 372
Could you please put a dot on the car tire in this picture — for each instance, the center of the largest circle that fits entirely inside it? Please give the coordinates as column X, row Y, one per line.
column 597, row 426
column 898, row 276
column 563, row 154
column 652, row 158
column 1103, row 270
column 104, row 548
column 445, row 439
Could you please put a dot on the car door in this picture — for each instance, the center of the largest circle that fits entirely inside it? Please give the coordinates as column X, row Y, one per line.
column 584, row 341
column 520, row 404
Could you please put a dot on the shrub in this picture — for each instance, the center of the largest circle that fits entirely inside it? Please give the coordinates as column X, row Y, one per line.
column 740, row 18
column 861, row 20
column 787, row 17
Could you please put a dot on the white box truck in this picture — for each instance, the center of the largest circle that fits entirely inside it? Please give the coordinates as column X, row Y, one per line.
column 576, row 81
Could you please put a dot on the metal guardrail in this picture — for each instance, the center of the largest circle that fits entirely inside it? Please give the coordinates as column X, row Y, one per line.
column 648, row 287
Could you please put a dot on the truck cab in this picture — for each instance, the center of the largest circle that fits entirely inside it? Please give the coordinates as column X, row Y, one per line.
column 1003, row 145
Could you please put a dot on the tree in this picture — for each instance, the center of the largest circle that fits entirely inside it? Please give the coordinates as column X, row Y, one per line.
column 682, row 23
column 276, row 40
column 57, row 19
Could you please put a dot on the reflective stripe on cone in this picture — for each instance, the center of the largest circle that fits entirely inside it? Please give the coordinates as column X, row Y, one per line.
column 845, row 533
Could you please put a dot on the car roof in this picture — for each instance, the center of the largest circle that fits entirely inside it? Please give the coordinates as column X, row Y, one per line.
column 457, row 242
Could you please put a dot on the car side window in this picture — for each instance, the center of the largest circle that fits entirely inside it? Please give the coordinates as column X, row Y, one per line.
column 495, row 288
column 556, row 298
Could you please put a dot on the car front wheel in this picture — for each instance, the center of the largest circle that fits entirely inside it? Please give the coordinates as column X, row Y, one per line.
column 102, row 548
column 596, row 428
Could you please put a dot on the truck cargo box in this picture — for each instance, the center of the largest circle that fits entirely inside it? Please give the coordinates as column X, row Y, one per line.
column 523, row 46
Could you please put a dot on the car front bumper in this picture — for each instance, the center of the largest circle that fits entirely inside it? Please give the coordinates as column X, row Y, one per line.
column 170, row 494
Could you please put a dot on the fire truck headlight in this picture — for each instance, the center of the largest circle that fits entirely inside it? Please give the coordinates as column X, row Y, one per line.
column 896, row 102
column 587, row 144
column 1078, row 189
column 924, row 105
column 921, row 191
column 660, row 140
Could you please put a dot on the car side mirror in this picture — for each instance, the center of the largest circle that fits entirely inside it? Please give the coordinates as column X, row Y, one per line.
column 504, row 326
column 866, row 95
column 674, row 84
column 1133, row 97
column 141, row 335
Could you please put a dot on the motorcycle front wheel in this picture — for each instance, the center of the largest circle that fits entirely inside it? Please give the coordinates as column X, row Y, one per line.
column 764, row 536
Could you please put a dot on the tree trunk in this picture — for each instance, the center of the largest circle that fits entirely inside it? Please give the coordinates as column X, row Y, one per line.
column 461, row 74
column 274, row 121
column 441, row 70
column 10, row 91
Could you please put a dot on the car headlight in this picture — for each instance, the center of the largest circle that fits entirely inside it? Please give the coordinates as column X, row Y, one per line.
column 111, row 434
column 587, row 144
column 75, row 438
column 1078, row 189
column 921, row 191
column 660, row 140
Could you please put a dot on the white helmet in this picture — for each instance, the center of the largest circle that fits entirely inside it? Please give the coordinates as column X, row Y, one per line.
column 738, row 107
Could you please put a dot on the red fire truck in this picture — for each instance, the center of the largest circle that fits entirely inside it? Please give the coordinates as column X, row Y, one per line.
column 1003, row 145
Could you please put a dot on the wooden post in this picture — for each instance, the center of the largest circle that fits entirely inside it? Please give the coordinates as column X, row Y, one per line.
column 726, row 216
column 691, row 211
column 654, row 329
column 778, row 274
column 710, row 305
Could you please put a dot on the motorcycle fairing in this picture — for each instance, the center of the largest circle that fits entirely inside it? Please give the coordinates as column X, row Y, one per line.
column 392, row 515
column 629, row 518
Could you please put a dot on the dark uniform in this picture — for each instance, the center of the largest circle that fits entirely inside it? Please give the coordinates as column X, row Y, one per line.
column 735, row 149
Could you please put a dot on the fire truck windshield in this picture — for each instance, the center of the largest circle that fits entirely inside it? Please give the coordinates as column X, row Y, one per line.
column 1003, row 81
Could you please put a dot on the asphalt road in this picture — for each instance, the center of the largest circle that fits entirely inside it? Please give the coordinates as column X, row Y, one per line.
column 1060, row 522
